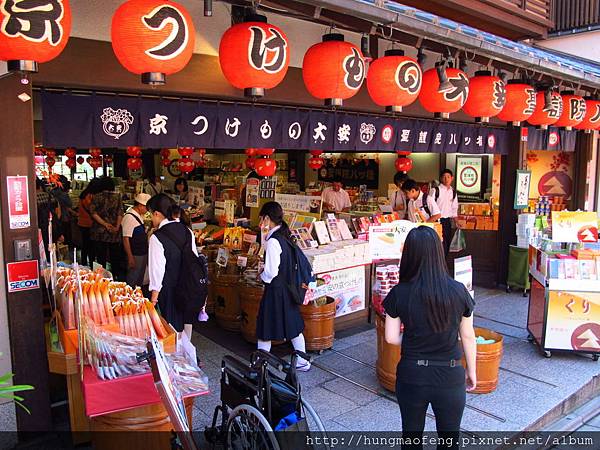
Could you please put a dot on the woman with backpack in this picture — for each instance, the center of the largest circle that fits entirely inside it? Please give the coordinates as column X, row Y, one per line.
column 435, row 311
column 166, row 249
column 279, row 315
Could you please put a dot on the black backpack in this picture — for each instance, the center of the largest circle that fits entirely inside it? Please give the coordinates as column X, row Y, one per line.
column 192, row 285
column 436, row 197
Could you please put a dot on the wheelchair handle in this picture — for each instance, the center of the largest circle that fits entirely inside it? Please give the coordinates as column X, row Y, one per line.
column 273, row 360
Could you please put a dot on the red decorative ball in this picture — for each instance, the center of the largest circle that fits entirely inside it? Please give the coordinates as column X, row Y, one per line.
column 264, row 151
column 165, row 153
column 134, row 151
column 39, row 151
column 591, row 121
column 265, row 167
column 200, row 163
column 95, row 152
column 316, row 153
column 402, row 153
column 250, row 151
column 95, row 162
column 201, row 152
column 403, row 164
column 185, row 151
column 50, row 161
column 80, row 160
column 134, row 163
column 108, row 159
column 487, row 96
column 71, row 163
column 573, row 113
column 315, row 163
column 51, row 153
column 186, row 165
column 166, row 162
column 250, row 162
column 70, row 153
column 446, row 102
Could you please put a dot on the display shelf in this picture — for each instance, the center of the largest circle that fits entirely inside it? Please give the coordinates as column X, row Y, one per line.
column 555, row 284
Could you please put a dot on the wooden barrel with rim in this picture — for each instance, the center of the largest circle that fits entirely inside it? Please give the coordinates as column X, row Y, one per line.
column 226, row 290
column 488, row 361
column 133, row 428
column 210, row 299
column 250, row 296
column 388, row 356
column 319, row 322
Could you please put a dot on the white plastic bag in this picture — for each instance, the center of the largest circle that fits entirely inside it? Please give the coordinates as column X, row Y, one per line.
column 458, row 243
column 185, row 346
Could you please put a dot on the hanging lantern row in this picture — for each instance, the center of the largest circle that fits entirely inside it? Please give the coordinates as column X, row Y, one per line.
column 315, row 162
column 134, row 163
column 95, row 162
column 186, row 164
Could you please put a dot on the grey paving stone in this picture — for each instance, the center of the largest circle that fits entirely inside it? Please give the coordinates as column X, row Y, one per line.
column 314, row 377
column 359, row 338
column 365, row 352
column 588, row 428
column 332, row 425
column 8, row 421
column 506, row 330
column 350, row 391
column 200, row 420
column 327, row 404
column 595, row 422
column 380, row 415
column 338, row 363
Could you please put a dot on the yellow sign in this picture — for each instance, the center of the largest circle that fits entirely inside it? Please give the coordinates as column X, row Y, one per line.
column 574, row 226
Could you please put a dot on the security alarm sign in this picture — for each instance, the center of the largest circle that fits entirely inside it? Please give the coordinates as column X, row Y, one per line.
column 18, row 202
column 23, row 276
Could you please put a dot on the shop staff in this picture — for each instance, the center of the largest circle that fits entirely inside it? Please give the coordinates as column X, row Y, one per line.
column 153, row 186
column 279, row 316
column 398, row 199
column 435, row 311
column 447, row 201
column 335, row 198
column 421, row 207
column 135, row 241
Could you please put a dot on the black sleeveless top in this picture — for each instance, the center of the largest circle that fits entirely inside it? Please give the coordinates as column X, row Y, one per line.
column 172, row 252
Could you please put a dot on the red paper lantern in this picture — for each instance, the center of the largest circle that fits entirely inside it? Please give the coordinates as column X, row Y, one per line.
column 546, row 112
column 39, row 151
column 403, row 164
column 520, row 102
column 95, row 162
column 186, row 165
column 316, row 153
column 250, row 162
column 134, row 163
column 402, row 153
column 185, row 151
column 265, row 167
column 33, row 34
column 80, row 160
column 487, row 96
column 71, row 163
column 264, row 151
column 51, row 153
column 573, row 111
column 250, row 151
column 254, row 55
column 333, row 70
column 200, row 163
column 394, row 81
column 449, row 101
column 165, row 153
column 166, row 162
column 201, row 152
column 95, row 152
column 591, row 121
column 153, row 38
column 315, row 163
column 70, row 153
column 134, row 151
column 108, row 159
column 50, row 161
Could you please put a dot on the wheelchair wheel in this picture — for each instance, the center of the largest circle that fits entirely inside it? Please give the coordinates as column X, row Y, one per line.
column 315, row 426
column 248, row 429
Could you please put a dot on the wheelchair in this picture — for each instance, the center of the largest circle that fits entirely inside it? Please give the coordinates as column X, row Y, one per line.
column 256, row 401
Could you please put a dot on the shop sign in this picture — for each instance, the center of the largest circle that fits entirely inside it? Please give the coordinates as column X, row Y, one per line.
column 574, row 226
column 18, row 202
column 23, row 275
column 299, row 203
column 468, row 174
column 252, row 191
column 387, row 241
column 351, row 172
column 573, row 321
column 463, row 272
column 347, row 287
column 553, row 138
column 522, row 187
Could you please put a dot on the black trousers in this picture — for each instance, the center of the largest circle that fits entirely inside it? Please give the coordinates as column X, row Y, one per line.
column 446, row 234
column 112, row 253
column 87, row 247
column 448, row 404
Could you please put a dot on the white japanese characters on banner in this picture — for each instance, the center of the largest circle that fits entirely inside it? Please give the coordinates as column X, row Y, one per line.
column 468, row 174
column 346, row 287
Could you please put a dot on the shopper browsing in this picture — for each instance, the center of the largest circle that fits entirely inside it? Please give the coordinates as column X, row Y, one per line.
column 135, row 240
column 421, row 207
column 85, row 221
column 397, row 199
column 435, row 311
column 335, row 198
column 153, row 186
column 447, row 201
column 279, row 315
column 180, row 189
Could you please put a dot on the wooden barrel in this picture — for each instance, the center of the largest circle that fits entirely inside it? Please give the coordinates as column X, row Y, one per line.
column 488, row 361
column 388, row 356
column 134, row 428
column 250, row 297
column 210, row 300
column 319, row 325
column 227, row 301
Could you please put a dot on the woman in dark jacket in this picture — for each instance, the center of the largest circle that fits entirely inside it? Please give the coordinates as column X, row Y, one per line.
column 164, row 259
column 278, row 316
column 435, row 311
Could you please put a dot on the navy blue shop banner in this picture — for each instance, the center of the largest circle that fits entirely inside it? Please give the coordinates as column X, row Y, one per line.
column 119, row 121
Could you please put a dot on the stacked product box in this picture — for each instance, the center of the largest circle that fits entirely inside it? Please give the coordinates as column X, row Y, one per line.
column 525, row 229
column 386, row 277
column 338, row 255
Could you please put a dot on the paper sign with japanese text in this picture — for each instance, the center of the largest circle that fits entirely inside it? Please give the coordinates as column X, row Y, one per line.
column 18, row 202
column 386, row 241
column 346, row 287
column 574, row 226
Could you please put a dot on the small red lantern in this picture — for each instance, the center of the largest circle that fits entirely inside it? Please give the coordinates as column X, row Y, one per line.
column 166, row 162
column 316, row 153
column 70, row 153
column 186, row 165
column 264, row 151
column 254, row 55
column 185, row 151
column 573, row 111
column 520, row 102
column 315, row 163
column 80, row 160
column 487, row 96
column 402, row 153
column 153, row 38
column 39, row 151
column 32, row 34
column 200, row 163
column 71, row 163
column 591, row 121
column 250, row 152
column 95, row 162
column 548, row 109
column 250, row 162
column 134, row 163
column 50, row 161
column 201, row 152
column 95, row 152
column 444, row 99
column 265, row 167
column 108, row 159
column 51, row 153
column 165, row 153
column 394, row 81
column 403, row 164
column 333, row 70
column 134, row 151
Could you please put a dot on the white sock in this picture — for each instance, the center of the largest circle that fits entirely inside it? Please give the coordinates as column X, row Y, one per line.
column 264, row 345
column 299, row 344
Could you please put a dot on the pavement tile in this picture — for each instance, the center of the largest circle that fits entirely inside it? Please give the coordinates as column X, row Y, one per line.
column 327, row 404
column 314, row 377
column 380, row 415
column 332, row 425
column 595, row 422
column 359, row 338
column 200, row 420
column 338, row 363
column 350, row 391
column 365, row 352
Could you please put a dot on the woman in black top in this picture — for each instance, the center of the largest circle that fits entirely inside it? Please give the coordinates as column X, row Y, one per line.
column 279, row 316
column 435, row 311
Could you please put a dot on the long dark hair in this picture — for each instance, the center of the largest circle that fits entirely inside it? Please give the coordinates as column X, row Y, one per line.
column 424, row 265
column 183, row 181
column 164, row 205
column 93, row 188
column 274, row 211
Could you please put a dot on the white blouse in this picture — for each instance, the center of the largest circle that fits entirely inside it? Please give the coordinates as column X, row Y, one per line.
column 157, row 260
column 272, row 257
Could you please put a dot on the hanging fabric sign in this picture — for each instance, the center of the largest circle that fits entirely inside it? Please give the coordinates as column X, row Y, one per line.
column 551, row 139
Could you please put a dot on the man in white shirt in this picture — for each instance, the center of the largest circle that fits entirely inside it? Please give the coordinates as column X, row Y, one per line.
column 135, row 240
column 421, row 208
column 447, row 200
column 398, row 200
column 336, row 199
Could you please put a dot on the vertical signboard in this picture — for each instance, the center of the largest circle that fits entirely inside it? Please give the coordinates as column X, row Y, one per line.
column 19, row 216
column 468, row 174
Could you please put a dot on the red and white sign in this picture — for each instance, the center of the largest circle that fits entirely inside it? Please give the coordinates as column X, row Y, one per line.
column 387, row 132
column 18, row 202
column 23, row 275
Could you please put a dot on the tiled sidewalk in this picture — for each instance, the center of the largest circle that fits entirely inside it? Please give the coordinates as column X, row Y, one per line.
column 531, row 392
